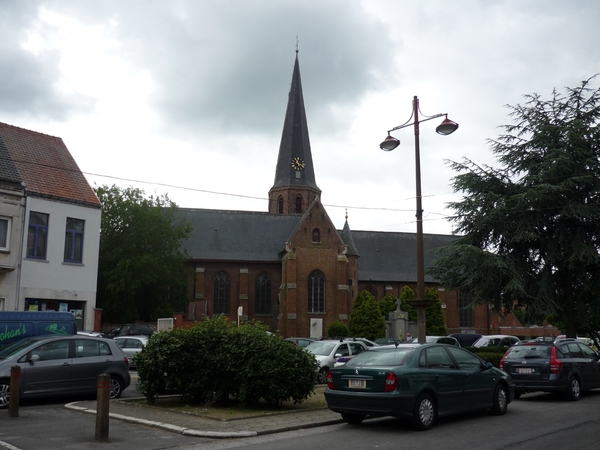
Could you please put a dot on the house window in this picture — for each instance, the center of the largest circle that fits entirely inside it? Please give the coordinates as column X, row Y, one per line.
column 299, row 204
column 37, row 236
column 263, row 294
column 316, row 235
column 5, row 223
column 316, row 292
column 465, row 310
column 221, row 294
column 280, row 205
column 74, row 240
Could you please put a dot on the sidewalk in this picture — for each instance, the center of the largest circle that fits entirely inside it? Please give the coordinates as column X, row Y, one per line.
column 193, row 425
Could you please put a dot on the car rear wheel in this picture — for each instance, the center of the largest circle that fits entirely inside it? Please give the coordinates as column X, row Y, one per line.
column 500, row 401
column 573, row 389
column 424, row 413
column 353, row 419
column 116, row 387
column 323, row 376
column 4, row 394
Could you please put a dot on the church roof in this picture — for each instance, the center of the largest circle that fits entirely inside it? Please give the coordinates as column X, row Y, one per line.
column 237, row 235
column 392, row 256
column 44, row 164
column 295, row 142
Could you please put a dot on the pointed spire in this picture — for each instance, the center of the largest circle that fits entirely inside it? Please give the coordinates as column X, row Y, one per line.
column 348, row 238
column 295, row 143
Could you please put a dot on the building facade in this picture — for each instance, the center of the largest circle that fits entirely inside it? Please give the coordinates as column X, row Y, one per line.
column 49, row 228
column 289, row 267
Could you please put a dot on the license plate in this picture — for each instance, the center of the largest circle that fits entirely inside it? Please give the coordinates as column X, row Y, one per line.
column 357, row 384
column 525, row 370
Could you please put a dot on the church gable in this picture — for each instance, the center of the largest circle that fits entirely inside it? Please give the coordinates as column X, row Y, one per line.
column 316, row 231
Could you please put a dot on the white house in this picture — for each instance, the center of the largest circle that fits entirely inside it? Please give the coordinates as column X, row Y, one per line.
column 49, row 228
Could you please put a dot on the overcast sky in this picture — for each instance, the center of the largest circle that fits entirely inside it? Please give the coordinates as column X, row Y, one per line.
column 188, row 97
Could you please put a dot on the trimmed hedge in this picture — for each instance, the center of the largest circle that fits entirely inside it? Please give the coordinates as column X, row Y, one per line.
column 489, row 354
column 216, row 360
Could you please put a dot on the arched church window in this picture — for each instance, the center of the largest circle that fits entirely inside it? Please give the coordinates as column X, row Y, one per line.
column 316, row 292
column 280, row 205
column 316, row 235
column 221, row 294
column 263, row 294
column 371, row 290
column 298, row 203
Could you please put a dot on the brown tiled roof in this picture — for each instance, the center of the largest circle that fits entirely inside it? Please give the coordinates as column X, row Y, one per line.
column 45, row 164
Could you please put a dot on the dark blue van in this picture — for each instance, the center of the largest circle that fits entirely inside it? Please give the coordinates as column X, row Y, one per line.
column 15, row 325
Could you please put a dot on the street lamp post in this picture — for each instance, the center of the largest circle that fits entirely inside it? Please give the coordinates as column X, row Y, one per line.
column 390, row 143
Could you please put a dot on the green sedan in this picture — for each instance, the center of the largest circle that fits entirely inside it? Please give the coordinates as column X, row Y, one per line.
column 419, row 382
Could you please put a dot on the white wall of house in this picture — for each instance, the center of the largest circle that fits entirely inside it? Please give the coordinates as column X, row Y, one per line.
column 52, row 278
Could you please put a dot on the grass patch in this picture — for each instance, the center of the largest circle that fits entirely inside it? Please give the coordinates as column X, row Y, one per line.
column 234, row 410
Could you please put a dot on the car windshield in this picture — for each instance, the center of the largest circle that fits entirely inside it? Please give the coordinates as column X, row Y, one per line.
column 321, row 348
column 17, row 346
column 388, row 357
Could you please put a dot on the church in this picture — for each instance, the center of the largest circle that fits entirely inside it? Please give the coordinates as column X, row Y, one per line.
column 289, row 267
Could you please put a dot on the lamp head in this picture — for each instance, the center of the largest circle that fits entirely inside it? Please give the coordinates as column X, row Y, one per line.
column 389, row 144
column 446, row 127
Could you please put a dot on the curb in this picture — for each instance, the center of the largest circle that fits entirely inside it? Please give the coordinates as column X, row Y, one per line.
column 166, row 426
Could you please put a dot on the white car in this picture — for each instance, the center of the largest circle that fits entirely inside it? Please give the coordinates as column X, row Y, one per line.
column 496, row 340
column 131, row 346
column 328, row 351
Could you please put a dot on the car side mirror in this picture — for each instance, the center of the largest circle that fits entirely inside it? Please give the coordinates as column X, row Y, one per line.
column 34, row 358
column 488, row 365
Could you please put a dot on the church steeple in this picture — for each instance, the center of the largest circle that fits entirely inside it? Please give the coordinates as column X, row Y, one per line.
column 295, row 186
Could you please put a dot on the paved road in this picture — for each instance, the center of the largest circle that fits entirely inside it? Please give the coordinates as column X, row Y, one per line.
column 535, row 422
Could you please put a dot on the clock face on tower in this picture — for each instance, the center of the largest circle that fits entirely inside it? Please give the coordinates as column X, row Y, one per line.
column 298, row 163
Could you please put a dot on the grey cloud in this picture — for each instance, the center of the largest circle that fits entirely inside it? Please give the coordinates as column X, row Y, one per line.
column 28, row 82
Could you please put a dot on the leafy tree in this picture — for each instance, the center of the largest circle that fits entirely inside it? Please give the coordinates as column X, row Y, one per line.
column 366, row 319
column 531, row 228
column 434, row 317
column 361, row 297
column 408, row 294
column 436, row 322
column 387, row 305
column 141, row 267
column 337, row 328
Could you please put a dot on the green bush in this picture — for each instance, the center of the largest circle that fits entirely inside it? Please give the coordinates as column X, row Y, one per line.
column 337, row 328
column 215, row 361
column 366, row 320
column 489, row 354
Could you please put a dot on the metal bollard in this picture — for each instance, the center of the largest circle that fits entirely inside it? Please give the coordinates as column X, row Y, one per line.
column 15, row 391
column 102, row 407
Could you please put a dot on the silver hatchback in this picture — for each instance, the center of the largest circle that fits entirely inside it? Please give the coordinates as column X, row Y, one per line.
column 63, row 365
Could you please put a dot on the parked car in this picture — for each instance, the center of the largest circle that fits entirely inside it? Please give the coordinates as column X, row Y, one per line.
column 328, row 351
column 300, row 341
column 563, row 365
column 388, row 341
column 92, row 333
column 131, row 346
column 134, row 329
column 442, row 340
column 16, row 325
column 420, row 382
column 63, row 365
column 496, row 340
column 466, row 339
